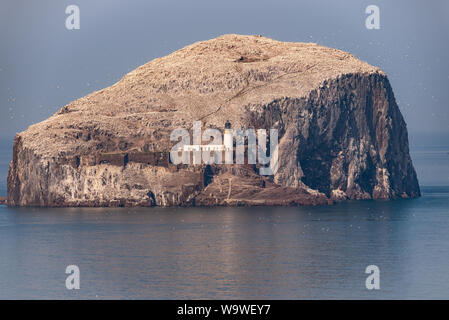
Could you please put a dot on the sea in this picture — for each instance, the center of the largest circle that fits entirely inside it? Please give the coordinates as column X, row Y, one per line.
column 321, row 252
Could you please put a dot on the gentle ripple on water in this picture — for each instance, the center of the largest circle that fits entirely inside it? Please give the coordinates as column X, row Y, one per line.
column 198, row 253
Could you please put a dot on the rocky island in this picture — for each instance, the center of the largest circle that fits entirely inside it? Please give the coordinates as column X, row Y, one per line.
column 341, row 133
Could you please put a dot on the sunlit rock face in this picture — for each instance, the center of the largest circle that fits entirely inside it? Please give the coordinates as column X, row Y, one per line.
column 341, row 134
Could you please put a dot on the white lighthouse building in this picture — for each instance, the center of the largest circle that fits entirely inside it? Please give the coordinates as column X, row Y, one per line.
column 227, row 147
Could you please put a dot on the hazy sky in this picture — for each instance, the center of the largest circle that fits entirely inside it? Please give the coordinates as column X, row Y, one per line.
column 44, row 66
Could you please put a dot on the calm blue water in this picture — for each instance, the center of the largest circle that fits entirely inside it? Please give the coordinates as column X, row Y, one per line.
column 234, row 253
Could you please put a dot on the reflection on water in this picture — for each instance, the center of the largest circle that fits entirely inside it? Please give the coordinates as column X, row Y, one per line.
column 196, row 253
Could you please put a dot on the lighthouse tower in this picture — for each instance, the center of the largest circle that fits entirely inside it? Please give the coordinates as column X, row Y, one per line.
column 228, row 144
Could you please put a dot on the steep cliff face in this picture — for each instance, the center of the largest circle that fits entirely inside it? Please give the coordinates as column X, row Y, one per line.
column 341, row 134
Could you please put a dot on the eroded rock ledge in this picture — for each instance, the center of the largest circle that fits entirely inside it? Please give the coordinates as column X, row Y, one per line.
column 341, row 134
